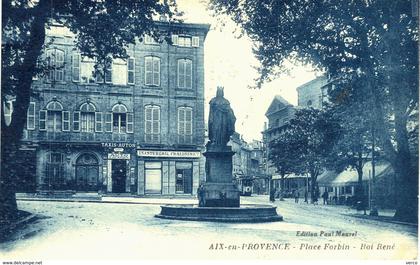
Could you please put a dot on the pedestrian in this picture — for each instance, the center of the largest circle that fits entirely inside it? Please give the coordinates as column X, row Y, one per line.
column 325, row 197
column 316, row 195
column 272, row 193
column 200, row 195
column 306, row 196
column 296, row 194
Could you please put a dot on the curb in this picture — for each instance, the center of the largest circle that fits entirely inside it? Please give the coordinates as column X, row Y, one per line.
column 379, row 219
column 95, row 201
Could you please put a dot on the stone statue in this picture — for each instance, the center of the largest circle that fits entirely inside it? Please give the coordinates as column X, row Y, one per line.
column 221, row 120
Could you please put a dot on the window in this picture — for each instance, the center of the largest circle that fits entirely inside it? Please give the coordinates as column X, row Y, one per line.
column 185, row 41
column 8, row 111
column 108, row 122
column 87, row 117
column 184, row 125
column 30, row 120
column 76, row 121
column 87, row 68
column 54, row 116
column 152, row 124
column 153, row 177
column 131, row 71
column 119, row 72
column 152, row 71
column 149, row 40
column 55, row 171
column 119, row 118
column 184, row 73
column 76, row 67
column 55, row 60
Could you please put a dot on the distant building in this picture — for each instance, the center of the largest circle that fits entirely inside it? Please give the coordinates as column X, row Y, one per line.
column 313, row 93
column 278, row 114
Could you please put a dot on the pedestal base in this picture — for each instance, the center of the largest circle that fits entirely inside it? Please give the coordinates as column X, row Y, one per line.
column 221, row 195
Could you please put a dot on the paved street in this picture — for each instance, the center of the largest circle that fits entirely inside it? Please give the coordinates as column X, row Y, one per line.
column 70, row 230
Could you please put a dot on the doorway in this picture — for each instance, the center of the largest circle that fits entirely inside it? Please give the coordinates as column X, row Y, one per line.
column 87, row 173
column 183, row 182
column 119, row 173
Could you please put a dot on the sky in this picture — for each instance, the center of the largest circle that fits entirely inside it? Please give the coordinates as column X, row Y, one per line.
column 229, row 63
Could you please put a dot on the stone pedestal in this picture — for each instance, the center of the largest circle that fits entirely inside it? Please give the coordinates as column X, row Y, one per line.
column 219, row 190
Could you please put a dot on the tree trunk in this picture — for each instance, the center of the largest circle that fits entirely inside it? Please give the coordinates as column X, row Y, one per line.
column 12, row 134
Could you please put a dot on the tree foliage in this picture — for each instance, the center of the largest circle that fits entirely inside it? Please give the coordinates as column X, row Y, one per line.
column 373, row 41
column 303, row 144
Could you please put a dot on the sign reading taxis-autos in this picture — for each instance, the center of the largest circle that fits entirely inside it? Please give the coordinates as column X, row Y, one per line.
column 164, row 153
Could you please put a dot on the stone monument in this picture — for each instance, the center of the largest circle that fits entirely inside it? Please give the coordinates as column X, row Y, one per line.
column 219, row 189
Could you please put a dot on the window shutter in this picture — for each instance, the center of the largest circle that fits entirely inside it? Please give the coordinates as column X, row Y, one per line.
column 66, row 121
column 181, row 73
column 42, row 120
column 130, row 71
column 188, row 73
column 76, row 121
column 147, row 123
column 50, row 62
column 156, row 71
column 76, row 67
column 59, row 67
column 30, row 119
column 174, row 39
column 108, row 73
column 181, row 124
column 108, row 122
column 148, row 66
column 130, row 122
column 98, row 122
column 195, row 41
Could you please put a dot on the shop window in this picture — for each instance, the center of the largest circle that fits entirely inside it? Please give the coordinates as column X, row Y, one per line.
column 184, row 125
column 153, row 177
column 183, row 178
column 152, row 124
column 55, row 171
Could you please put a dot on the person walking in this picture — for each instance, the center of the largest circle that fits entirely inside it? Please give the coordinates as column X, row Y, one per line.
column 272, row 194
column 296, row 194
column 325, row 197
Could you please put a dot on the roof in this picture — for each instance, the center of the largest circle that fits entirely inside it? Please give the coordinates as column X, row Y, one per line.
column 350, row 175
column 277, row 101
column 321, row 79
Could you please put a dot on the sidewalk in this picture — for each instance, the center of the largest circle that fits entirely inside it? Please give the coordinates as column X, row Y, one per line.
column 104, row 198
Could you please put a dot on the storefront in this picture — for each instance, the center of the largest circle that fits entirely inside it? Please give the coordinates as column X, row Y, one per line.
column 90, row 167
column 168, row 172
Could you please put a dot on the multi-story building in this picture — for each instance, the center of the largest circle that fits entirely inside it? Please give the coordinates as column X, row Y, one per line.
column 135, row 127
column 313, row 93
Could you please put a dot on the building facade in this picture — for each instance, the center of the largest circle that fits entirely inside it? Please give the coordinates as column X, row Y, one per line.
column 313, row 93
column 135, row 127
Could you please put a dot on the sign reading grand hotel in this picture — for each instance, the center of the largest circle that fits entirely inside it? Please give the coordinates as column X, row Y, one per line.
column 161, row 153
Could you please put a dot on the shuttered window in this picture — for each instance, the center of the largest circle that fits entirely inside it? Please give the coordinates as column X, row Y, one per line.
column 184, row 125
column 152, row 71
column 152, row 124
column 184, row 73
column 30, row 121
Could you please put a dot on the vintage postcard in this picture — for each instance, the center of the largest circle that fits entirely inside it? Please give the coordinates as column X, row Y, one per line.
column 184, row 130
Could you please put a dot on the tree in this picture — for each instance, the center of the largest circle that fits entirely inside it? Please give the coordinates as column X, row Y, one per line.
column 375, row 41
column 353, row 145
column 103, row 28
column 302, row 145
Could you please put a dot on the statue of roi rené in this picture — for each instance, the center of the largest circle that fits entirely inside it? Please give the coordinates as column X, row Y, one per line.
column 221, row 121
column 219, row 190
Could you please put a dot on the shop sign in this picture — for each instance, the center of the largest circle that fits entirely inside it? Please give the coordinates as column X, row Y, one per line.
column 161, row 153
column 119, row 149
column 118, row 156
column 118, row 145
